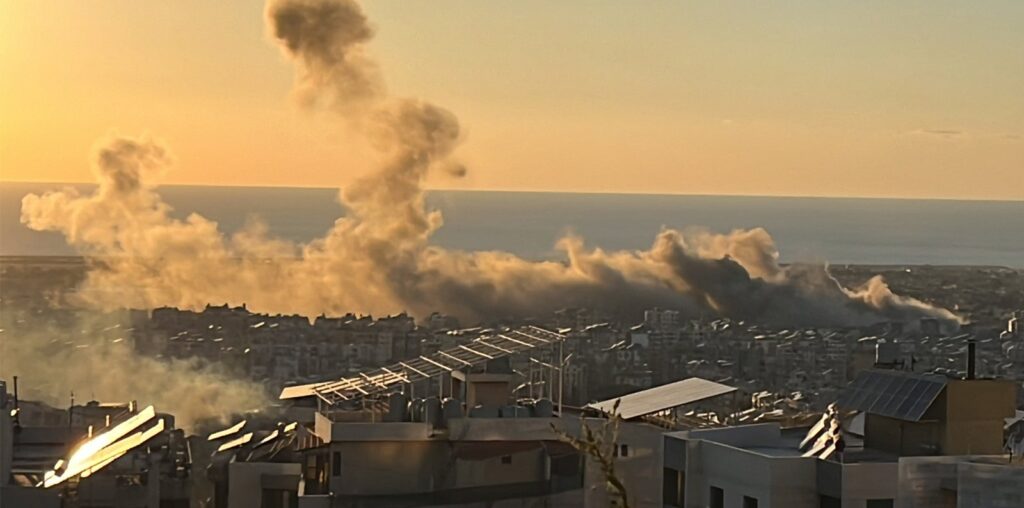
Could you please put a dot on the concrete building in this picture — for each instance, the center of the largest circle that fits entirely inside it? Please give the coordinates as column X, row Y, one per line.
column 252, row 468
column 442, row 430
column 454, row 429
column 926, row 441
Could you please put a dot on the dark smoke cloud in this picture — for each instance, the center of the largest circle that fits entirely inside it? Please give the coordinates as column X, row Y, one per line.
column 327, row 38
column 378, row 257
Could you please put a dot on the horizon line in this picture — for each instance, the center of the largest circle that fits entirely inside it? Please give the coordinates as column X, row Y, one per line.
column 579, row 192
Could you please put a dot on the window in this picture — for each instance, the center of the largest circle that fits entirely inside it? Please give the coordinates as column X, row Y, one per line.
column 506, row 459
column 749, row 502
column 880, row 503
column 336, row 464
column 275, row 498
column 829, row 502
column 621, row 451
column 716, row 498
column 673, row 486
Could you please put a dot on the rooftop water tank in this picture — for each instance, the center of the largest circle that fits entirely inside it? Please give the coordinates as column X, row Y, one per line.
column 543, row 408
column 450, row 409
column 398, row 408
column 479, row 411
column 514, row 412
column 431, row 411
column 416, row 410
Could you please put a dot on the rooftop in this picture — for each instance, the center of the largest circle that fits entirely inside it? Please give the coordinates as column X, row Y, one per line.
column 664, row 397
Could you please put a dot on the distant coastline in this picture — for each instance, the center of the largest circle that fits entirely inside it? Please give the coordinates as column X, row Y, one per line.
column 865, row 231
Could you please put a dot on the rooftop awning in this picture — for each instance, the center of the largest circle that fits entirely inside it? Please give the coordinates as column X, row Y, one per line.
column 664, row 397
column 384, row 379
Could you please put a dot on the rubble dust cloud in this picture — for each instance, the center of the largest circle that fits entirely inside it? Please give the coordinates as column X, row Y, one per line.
column 93, row 356
column 378, row 257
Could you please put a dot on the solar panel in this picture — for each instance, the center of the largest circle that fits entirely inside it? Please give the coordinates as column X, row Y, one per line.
column 95, row 453
column 899, row 395
column 230, row 431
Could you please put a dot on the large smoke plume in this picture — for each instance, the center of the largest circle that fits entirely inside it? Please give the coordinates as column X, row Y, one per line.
column 378, row 257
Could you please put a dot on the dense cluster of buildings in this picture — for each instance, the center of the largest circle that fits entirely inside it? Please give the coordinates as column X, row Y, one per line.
column 398, row 412
column 455, row 428
column 786, row 368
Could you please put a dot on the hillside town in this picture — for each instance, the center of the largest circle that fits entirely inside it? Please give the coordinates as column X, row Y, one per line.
column 398, row 411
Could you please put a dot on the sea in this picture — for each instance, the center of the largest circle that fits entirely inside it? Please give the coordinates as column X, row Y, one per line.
column 806, row 229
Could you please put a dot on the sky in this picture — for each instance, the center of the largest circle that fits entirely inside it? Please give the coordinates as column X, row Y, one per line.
column 919, row 99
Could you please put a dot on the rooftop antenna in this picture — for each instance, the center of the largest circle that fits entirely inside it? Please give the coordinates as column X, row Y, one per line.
column 17, row 408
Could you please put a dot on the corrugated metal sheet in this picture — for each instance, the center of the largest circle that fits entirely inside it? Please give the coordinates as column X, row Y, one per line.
column 299, row 391
column 664, row 397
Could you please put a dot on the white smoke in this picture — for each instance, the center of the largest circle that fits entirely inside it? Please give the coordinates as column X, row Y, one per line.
column 93, row 356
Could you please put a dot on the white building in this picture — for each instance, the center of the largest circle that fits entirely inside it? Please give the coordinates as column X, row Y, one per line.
column 926, row 441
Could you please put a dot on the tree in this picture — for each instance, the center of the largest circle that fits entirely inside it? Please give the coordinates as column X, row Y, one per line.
column 600, row 445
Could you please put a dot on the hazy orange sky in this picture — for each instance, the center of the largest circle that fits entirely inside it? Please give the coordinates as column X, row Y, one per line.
column 874, row 98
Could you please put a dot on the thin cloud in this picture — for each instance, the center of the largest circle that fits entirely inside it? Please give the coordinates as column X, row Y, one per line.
column 939, row 132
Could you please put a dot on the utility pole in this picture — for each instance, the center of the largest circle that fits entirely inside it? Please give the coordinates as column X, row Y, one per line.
column 561, row 374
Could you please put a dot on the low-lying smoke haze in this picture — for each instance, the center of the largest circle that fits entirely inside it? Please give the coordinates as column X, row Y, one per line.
column 378, row 258
column 93, row 357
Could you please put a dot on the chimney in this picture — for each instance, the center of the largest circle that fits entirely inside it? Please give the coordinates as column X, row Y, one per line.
column 971, row 359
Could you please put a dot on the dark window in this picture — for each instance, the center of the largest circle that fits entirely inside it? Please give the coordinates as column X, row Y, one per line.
column 624, row 450
column 829, row 502
column 274, row 498
column 880, row 503
column 716, row 498
column 749, row 502
column 506, row 459
column 336, row 464
column 673, row 485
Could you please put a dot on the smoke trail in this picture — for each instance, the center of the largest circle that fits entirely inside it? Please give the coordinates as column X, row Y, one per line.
column 378, row 257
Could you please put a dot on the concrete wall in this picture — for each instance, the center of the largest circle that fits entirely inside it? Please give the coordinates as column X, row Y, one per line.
column 640, row 469
column 959, row 482
column 762, row 434
column 25, row 497
column 6, row 437
column 989, row 485
column 401, row 458
column 868, row 480
column 330, row 431
column 776, row 482
column 518, row 467
column 901, row 437
column 921, row 481
column 975, row 410
column 245, row 481
column 506, row 429
column 488, row 390
column 389, row 467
